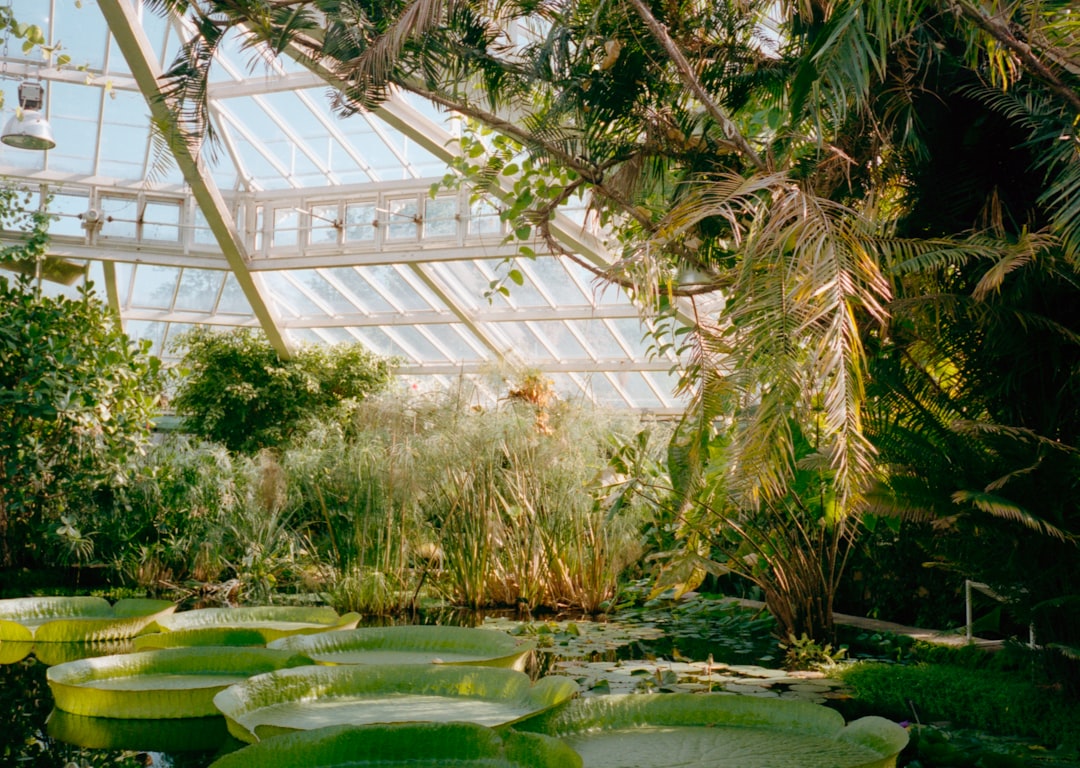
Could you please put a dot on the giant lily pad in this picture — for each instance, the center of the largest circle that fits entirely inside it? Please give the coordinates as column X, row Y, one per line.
column 405, row 745
column 203, row 626
column 719, row 731
column 196, row 734
column 315, row 697
column 175, row 682
column 413, row 645
column 76, row 619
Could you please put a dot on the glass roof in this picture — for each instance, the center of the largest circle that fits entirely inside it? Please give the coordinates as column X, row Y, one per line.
column 317, row 229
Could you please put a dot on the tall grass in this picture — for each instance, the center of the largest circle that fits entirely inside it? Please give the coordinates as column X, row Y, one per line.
column 431, row 495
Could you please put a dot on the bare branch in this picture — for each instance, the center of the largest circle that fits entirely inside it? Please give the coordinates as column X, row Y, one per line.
column 731, row 131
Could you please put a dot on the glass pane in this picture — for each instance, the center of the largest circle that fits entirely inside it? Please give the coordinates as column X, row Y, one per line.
column 198, row 290
column 286, row 227
column 73, row 114
column 324, row 226
column 391, row 284
column 125, row 136
column 634, row 384
column 359, row 221
column 330, row 295
column 202, row 235
column 484, row 219
column 455, row 340
column 558, row 336
column 440, row 218
column 599, row 339
column 154, row 286
column 604, row 393
column 556, row 282
column 161, row 221
column 525, row 343
column 233, row 301
column 67, row 208
column 401, row 218
column 290, row 297
column 360, row 290
column 419, row 346
column 119, row 217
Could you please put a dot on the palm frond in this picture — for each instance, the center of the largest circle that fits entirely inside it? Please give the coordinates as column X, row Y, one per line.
column 1006, row 509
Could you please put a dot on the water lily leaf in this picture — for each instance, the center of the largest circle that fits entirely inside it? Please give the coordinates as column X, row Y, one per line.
column 415, row 745
column 77, row 619
column 234, row 637
column 194, row 734
column 357, row 694
column 171, row 683
column 718, row 731
column 272, row 621
column 12, row 651
column 414, row 645
column 51, row 654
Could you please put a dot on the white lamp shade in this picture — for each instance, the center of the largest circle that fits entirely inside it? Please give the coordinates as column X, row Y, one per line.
column 28, row 130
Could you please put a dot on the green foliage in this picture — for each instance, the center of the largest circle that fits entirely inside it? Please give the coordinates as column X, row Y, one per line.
column 76, row 400
column 997, row 702
column 804, row 652
column 199, row 518
column 483, row 506
column 240, row 393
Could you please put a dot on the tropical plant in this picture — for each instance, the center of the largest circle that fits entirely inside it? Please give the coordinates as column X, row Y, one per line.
column 238, row 391
column 75, row 410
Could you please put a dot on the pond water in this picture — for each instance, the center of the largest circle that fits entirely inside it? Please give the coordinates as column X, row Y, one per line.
column 33, row 733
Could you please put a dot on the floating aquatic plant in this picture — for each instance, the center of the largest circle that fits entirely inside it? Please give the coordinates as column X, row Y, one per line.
column 413, row 645
column 313, row 697
column 170, row 683
column 405, row 745
column 77, row 619
column 718, row 731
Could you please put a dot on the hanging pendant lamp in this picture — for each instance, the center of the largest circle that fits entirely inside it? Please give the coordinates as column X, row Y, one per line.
column 28, row 128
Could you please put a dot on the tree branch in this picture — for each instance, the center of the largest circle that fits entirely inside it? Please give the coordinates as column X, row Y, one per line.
column 999, row 30
column 731, row 131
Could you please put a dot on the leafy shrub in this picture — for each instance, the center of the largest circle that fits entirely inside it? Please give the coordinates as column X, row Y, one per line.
column 76, row 399
column 240, row 393
column 998, row 702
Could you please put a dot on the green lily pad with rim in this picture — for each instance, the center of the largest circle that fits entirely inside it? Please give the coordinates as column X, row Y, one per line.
column 195, row 734
column 272, row 622
column 405, row 745
column 719, row 731
column 315, row 697
column 171, row 683
column 413, row 644
column 77, row 619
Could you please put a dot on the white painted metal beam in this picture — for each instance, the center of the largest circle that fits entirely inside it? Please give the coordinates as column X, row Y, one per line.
column 131, row 39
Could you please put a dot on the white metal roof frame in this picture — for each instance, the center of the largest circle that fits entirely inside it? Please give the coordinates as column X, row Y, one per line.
column 282, row 213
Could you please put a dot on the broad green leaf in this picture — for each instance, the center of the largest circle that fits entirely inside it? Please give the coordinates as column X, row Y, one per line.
column 195, row 734
column 12, row 651
column 413, row 645
column 315, row 697
column 235, row 637
column 171, row 683
column 272, row 621
column 52, row 654
column 77, row 619
column 416, row 745
column 718, row 731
